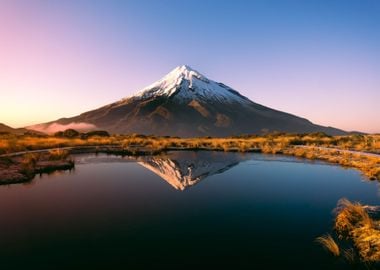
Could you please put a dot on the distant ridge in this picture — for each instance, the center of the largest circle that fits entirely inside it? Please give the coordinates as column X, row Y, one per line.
column 7, row 129
column 186, row 103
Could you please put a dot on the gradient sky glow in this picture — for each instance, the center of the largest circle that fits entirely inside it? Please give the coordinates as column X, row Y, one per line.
column 316, row 59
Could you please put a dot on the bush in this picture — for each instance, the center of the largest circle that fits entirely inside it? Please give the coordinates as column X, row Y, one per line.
column 58, row 134
column 68, row 133
column 99, row 133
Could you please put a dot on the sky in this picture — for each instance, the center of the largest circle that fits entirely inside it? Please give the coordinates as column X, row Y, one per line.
column 312, row 58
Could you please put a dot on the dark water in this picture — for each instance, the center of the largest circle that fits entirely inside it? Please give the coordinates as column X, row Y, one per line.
column 185, row 210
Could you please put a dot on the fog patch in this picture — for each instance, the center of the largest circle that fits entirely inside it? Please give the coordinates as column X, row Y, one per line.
column 55, row 127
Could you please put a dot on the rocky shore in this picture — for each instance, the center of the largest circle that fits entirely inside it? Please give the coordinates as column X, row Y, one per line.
column 24, row 168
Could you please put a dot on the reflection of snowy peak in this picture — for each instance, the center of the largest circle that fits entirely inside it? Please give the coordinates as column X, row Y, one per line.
column 185, row 169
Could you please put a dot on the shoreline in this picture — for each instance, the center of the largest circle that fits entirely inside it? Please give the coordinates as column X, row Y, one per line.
column 16, row 173
column 367, row 163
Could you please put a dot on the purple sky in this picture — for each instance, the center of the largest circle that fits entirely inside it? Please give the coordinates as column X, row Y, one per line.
column 316, row 59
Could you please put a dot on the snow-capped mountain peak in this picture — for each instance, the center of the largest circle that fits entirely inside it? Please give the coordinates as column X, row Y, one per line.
column 186, row 103
column 185, row 84
column 184, row 72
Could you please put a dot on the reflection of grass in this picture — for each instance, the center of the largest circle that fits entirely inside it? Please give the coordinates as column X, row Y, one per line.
column 355, row 225
column 329, row 244
column 349, row 255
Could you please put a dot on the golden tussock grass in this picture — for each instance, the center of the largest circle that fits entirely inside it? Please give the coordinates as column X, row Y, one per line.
column 354, row 223
column 58, row 154
column 368, row 165
column 13, row 143
column 271, row 144
column 356, row 227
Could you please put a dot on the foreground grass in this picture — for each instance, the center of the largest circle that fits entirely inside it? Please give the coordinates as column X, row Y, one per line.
column 13, row 143
column 310, row 146
column 368, row 165
column 354, row 225
column 269, row 143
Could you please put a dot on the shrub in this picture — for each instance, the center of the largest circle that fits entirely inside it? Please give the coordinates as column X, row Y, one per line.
column 99, row 133
column 70, row 133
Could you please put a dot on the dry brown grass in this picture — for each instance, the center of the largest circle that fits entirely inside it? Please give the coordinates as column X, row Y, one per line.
column 269, row 143
column 13, row 143
column 192, row 143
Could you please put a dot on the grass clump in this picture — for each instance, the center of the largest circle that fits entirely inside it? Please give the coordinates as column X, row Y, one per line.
column 354, row 226
column 28, row 163
column 354, row 223
column 58, row 154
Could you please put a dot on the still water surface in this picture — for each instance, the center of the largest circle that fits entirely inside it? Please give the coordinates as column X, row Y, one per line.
column 181, row 210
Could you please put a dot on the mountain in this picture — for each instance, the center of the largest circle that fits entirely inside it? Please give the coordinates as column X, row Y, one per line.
column 7, row 129
column 185, row 103
column 185, row 169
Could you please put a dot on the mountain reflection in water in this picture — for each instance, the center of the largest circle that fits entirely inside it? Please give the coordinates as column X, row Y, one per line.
column 185, row 169
column 115, row 212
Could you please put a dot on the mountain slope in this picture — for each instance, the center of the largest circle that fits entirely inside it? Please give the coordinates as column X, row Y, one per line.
column 186, row 103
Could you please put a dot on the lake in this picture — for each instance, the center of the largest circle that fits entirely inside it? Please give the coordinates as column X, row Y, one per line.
column 179, row 210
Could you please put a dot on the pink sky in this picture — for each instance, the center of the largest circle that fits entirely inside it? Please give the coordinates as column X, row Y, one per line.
column 58, row 60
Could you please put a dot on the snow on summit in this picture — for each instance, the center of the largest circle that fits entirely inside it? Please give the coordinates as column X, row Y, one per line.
column 185, row 83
